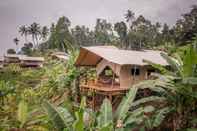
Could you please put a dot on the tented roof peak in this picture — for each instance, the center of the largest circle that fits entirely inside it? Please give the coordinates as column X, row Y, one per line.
column 91, row 56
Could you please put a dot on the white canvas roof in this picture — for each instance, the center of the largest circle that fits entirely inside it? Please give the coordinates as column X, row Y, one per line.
column 28, row 58
column 14, row 55
column 64, row 57
column 91, row 56
column 59, row 53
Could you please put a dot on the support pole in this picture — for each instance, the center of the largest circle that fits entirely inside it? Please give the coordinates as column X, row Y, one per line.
column 110, row 98
column 93, row 99
column 113, row 78
column 134, row 73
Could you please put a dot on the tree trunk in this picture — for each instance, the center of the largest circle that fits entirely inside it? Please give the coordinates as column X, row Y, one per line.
column 17, row 48
column 33, row 39
column 140, row 44
column 25, row 38
column 36, row 40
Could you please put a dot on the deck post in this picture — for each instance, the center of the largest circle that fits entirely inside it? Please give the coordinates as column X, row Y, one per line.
column 93, row 99
column 110, row 98
column 113, row 77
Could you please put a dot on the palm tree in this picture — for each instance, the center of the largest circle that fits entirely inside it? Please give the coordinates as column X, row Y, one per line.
column 129, row 16
column 44, row 33
column 34, row 31
column 121, row 29
column 16, row 41
column 23, row 30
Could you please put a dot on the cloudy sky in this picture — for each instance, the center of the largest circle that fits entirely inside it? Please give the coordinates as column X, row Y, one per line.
column 14, row 13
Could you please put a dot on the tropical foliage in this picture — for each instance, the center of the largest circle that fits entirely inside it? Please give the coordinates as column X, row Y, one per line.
column 46, row 99
column 176, row 89
column 82, row 119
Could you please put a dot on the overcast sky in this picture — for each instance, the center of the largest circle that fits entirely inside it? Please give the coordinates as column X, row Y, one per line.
column 14, row 13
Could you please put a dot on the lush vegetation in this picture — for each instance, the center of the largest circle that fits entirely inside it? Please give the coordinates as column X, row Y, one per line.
column 45, row 99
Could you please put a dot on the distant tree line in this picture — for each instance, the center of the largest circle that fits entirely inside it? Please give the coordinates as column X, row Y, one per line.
column 136, row 32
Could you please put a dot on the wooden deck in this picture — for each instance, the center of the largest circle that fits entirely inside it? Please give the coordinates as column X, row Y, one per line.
column 101, row 91
column 104, row 89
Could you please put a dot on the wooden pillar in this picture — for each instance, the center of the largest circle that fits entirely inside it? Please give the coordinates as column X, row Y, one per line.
column 134, row 73
column 93, row 99
column 110, row 98
column 113, row 79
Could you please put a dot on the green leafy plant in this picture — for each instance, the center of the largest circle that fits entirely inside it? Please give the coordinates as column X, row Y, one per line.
column 176, row 90
column 104, row 120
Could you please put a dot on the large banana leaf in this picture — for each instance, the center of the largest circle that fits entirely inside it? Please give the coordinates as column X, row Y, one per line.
column 79, row 124
column 136, row 116
column 125, row 104
column 160, row 116
column 173, row 63
column 150, row 84
column 105, row 117
column 107, row 128
column 148, row 99
column 162, row 69
column 190, row 80
column 189, row 62
column 22, row 112
column 60, row 117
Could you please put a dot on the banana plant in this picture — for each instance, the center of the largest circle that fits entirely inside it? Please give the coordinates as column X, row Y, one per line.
column 60, row 117
column 5, row 89
column 63, row 119
column 29, row 119
column 105, row 118
column 124, row 118
column 175, row 87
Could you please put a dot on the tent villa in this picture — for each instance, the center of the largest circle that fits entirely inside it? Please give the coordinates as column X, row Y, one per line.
column 116, row 70
column 23, row 60
column 12, row 58
column 60, row 55
column 27, row 61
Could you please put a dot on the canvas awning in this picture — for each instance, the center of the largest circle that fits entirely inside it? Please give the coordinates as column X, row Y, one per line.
column 91, row 56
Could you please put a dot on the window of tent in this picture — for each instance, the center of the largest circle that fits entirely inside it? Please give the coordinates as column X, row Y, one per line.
column 135, row 71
